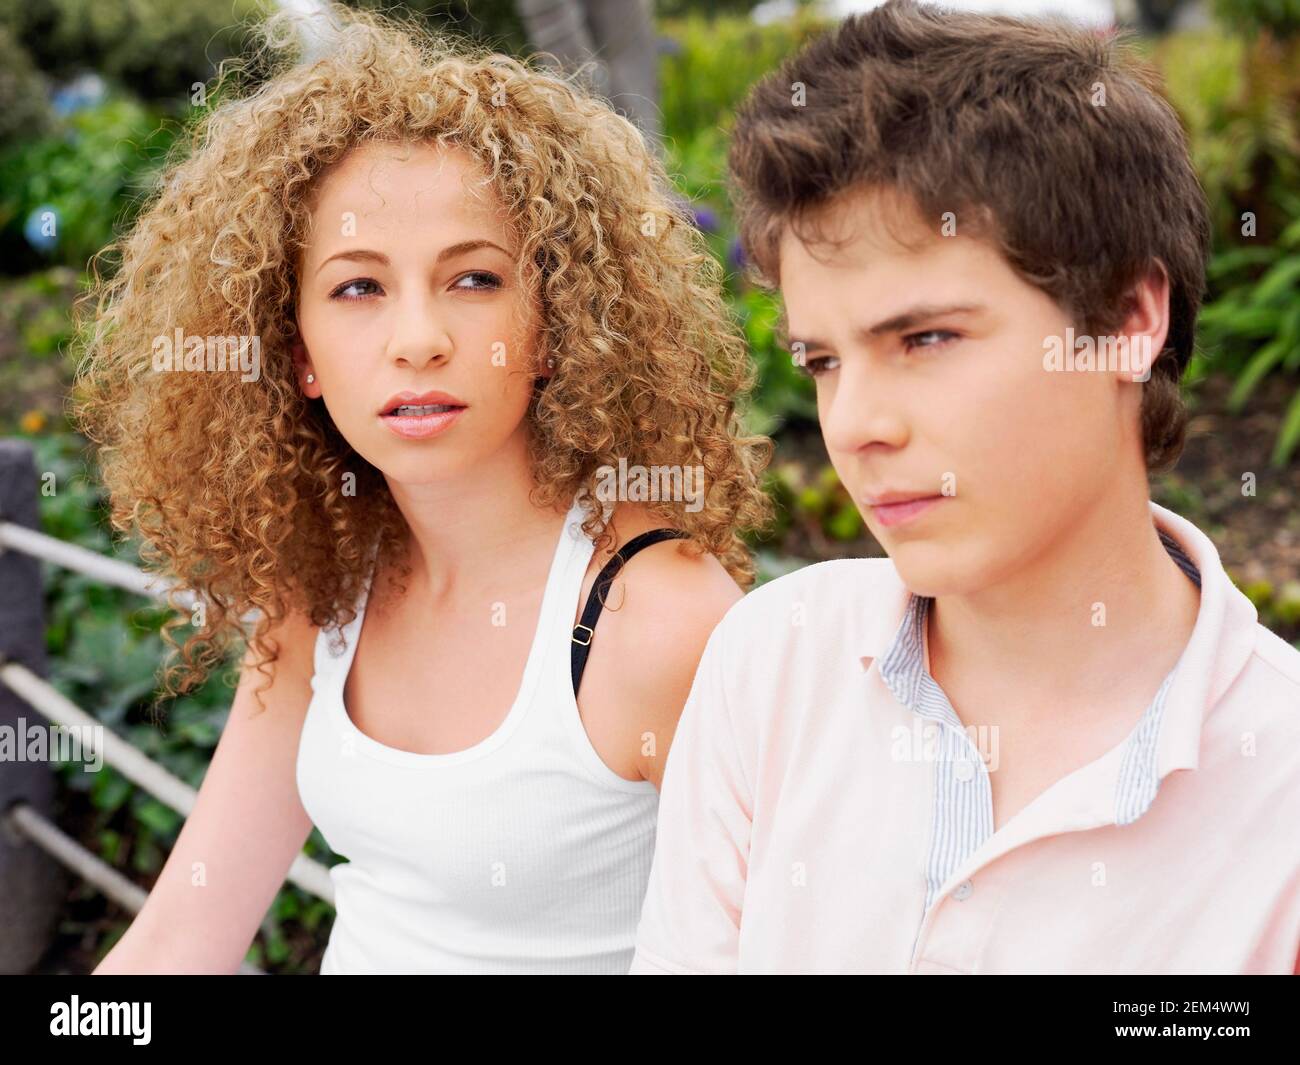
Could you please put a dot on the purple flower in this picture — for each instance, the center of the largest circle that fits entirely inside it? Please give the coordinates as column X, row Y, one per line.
column 705, row 220
column 668, row 45
column 736, row 255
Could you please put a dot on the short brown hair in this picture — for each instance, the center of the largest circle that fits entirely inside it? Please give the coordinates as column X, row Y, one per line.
column 1054, row 137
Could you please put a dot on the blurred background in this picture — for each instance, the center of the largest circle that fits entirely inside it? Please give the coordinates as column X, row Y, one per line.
column 93, row 92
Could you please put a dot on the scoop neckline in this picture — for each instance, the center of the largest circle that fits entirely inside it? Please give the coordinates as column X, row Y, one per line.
column 523, row 696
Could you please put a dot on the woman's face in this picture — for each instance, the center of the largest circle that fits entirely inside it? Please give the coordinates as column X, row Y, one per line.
column 416, row 336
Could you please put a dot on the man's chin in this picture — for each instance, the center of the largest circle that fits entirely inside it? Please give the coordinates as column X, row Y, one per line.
column 933, row 568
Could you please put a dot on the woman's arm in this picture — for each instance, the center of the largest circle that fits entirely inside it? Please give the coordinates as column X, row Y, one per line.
column 245, row 830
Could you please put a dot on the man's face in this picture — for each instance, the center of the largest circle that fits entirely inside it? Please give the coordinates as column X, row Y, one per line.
column 931, row 387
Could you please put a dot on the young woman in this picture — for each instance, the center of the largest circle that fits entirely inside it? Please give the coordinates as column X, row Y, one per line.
column 472, row 299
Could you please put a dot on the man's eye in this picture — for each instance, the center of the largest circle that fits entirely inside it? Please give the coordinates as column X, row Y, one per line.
column 934, row 338
column 486, row 279
column 337, row 294
column 815, row 367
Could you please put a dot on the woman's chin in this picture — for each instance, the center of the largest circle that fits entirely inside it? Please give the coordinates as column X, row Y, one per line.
column 422, row 472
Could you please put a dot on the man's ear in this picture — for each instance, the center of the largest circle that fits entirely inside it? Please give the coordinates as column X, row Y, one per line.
column 307, row 379
column 1146, row 324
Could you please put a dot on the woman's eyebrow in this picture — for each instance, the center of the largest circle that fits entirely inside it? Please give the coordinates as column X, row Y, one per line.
column 452, row 250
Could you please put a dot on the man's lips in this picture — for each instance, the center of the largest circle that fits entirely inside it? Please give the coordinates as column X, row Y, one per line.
column 894, row 508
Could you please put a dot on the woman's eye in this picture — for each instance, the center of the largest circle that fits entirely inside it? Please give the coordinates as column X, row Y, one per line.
column 476, row 281
column 337, row 294
column 820, row 365
column 936, row 339
column 486, row 279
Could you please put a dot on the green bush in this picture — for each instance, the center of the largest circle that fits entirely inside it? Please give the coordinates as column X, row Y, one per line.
column 104, row 647
column 1279, row 17
column 158, row 48
column 24, row 111
column 784, row 392
column 93, row 172
column 493, row 22
column 1239, row 100
column 713, row 63
column 1254, row 324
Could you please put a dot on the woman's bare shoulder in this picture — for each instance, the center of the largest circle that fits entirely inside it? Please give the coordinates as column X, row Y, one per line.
column 658, row 617
column 681, row 573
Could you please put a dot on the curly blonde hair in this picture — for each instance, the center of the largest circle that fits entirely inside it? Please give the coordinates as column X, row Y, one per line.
column 237, row 491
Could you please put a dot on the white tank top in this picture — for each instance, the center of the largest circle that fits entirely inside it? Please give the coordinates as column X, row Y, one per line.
column 524, row 853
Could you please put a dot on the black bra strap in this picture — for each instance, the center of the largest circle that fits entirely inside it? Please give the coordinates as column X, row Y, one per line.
column 586, row 628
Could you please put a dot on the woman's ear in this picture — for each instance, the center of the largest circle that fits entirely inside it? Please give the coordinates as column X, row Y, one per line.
column 306, row 374
column 545, row 368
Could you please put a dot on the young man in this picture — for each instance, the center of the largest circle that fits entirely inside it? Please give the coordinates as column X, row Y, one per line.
column 1047, row 734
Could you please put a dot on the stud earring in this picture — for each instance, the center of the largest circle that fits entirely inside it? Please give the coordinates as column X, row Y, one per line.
column 311, row 377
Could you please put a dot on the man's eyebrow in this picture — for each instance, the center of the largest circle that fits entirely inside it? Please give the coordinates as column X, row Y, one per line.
column 907, row 319
column 452, row 250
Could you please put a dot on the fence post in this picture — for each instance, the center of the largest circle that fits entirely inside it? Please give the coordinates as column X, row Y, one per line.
column 32, row 885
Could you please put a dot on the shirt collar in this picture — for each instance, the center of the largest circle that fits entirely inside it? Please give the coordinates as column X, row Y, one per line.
column 1221, row 643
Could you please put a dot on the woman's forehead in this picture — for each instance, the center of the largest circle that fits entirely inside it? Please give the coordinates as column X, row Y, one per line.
column 398, row 190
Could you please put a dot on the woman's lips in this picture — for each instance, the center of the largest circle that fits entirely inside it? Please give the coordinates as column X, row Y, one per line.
column 421, row 426
column 898, row 513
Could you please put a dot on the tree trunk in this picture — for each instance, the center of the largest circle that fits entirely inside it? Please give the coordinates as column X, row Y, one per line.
column 613, row 41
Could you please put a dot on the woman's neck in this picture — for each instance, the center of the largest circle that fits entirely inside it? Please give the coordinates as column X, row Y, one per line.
column 463, row 533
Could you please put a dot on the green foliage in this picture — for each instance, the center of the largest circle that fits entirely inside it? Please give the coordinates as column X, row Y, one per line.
column 94, row 172
column 1239, row 100
column 784, row 391
column 105, row 648
column 1254, row 325
column 24, row 110
column 34, row 327
column 672, row 9
column 46, row 327
column 493, row 22
column 157, row 47
column 1279, row 17
column 713, row 63
column 817, row 501
column 1277, row 607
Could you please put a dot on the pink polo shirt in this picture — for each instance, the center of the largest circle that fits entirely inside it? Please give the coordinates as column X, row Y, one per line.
column 820, row 815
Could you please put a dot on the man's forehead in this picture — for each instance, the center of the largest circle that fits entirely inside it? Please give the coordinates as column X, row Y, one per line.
column 860, row 225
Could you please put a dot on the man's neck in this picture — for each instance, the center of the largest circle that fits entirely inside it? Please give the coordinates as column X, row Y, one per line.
column 1095, row 621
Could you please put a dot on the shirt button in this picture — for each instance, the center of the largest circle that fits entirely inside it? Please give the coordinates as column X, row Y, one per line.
column 964, row 770
column 962, row 891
